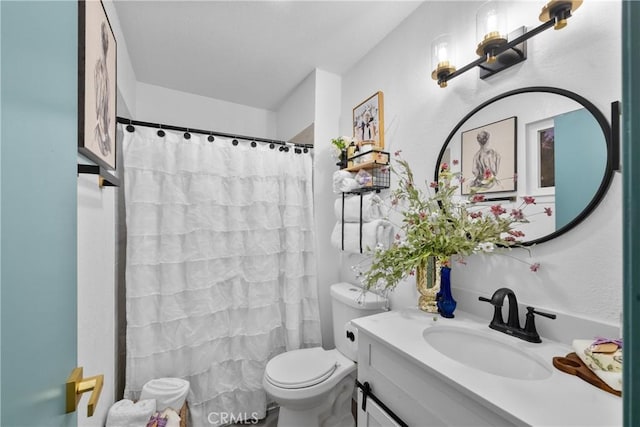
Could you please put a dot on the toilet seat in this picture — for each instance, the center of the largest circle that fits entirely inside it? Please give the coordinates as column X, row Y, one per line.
column 301, row 368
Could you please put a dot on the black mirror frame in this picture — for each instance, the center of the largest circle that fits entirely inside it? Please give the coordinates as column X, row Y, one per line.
column 611, row 135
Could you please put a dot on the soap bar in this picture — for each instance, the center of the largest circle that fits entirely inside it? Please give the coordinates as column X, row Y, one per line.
column 608, row 347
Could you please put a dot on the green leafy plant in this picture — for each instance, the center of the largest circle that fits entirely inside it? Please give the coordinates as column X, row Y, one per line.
column 341, row 143
column 443, row 224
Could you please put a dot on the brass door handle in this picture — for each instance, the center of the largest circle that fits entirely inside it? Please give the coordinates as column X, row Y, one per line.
column 76, row 386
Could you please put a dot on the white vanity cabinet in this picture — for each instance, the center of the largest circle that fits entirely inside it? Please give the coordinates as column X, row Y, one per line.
column 419, row 397
column 423, row 387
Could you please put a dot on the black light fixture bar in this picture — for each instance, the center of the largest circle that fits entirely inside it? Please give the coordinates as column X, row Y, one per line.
column 510, row 45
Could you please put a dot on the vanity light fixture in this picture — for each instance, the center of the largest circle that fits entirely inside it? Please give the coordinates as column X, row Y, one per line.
column 496, row 49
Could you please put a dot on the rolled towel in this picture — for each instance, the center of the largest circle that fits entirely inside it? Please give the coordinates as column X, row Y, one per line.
column 126, row 413
column 372, row 208
column 375, row 232
column 168, row 392
column 344, row 181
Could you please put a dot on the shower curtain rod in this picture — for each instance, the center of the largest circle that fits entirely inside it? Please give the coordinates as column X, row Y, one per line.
column 126, row 121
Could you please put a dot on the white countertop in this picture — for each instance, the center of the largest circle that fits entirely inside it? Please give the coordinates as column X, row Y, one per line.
column 559, row 400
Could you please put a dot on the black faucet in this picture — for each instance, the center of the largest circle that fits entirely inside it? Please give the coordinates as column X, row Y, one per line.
column 512, row 327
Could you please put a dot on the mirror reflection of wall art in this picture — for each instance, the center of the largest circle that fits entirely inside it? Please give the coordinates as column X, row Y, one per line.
column 546, row 141
column 96, row 85
column 368, row 121
column 490, row 151
column 540, row 146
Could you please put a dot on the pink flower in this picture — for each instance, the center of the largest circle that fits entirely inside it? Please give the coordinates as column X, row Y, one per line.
column 509, row 239
column 397, row 153
column 455, row 161
column 412, row 272
column 548, row 211
column 394, row 201
column 475, row 215
column 478, row 198
column 397, row 237
column 517, row 214
column 497, row 210
column 529, row 200
column 423, row 215
column 534, row 267
column 444, row 167
column 433, row 184
column 516, row 233
column 487, row 174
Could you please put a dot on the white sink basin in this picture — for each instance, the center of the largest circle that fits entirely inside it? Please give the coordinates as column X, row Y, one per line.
column 480, row 350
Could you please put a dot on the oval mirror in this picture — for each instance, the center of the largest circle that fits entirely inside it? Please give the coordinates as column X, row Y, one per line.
column 543, row 142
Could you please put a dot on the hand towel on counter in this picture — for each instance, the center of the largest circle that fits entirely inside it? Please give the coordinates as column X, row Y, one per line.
column 372, row 208
column 375, row 232
column 344, row 181
column 607, row 366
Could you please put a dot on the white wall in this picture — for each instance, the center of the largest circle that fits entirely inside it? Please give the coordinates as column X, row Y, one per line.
column 581, row 271
column 297, row 111
column 327, row 97
column 96, row 292
column 161, row 105
column 98, row 258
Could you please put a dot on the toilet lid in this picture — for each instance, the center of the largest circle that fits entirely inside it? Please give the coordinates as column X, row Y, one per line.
column 301, row 368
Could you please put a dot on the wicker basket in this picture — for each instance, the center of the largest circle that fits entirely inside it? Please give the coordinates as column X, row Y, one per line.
column 184, row 411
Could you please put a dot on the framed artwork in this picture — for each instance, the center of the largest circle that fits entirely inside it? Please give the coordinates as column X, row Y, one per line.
column 96, row 85
column 488, row 157
column 541, row 157
column 368, row 121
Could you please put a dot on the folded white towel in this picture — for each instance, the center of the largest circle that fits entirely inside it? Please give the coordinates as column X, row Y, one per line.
column 376, row 232
column 125, row 413
column 372, row 208
column 168, row 392
column 344, row 181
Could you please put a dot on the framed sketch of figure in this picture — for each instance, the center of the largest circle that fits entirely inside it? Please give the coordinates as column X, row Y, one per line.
column 368, row 121
column 96, row 85
column 489, row 158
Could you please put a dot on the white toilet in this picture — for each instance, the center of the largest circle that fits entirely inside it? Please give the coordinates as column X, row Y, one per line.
column 314, row 386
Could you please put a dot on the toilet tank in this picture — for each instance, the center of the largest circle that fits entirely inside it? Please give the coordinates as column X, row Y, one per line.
column 349, row 302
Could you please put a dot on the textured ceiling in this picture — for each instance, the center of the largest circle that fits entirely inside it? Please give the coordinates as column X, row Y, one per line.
column 251, row 52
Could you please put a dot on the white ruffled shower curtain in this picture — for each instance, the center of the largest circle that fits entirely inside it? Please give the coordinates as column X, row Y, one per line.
column 221, row 270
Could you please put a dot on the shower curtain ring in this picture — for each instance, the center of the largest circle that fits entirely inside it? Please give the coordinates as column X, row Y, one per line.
column 211, row 138
column 187, row 135
column 160, row 131
column 130, row 127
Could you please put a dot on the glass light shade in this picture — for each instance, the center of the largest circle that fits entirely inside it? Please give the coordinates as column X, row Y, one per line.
column 491, row 20
column 491, row 28
column 442, row 58
column 442, row 51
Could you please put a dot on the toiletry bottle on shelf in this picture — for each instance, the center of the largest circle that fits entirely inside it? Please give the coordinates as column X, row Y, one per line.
column 351, row 150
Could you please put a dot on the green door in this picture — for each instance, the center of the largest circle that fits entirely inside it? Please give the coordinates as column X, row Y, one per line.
column 631, row 208
column 38, row 184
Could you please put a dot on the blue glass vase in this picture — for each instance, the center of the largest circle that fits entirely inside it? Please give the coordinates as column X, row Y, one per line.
column 446, row 303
